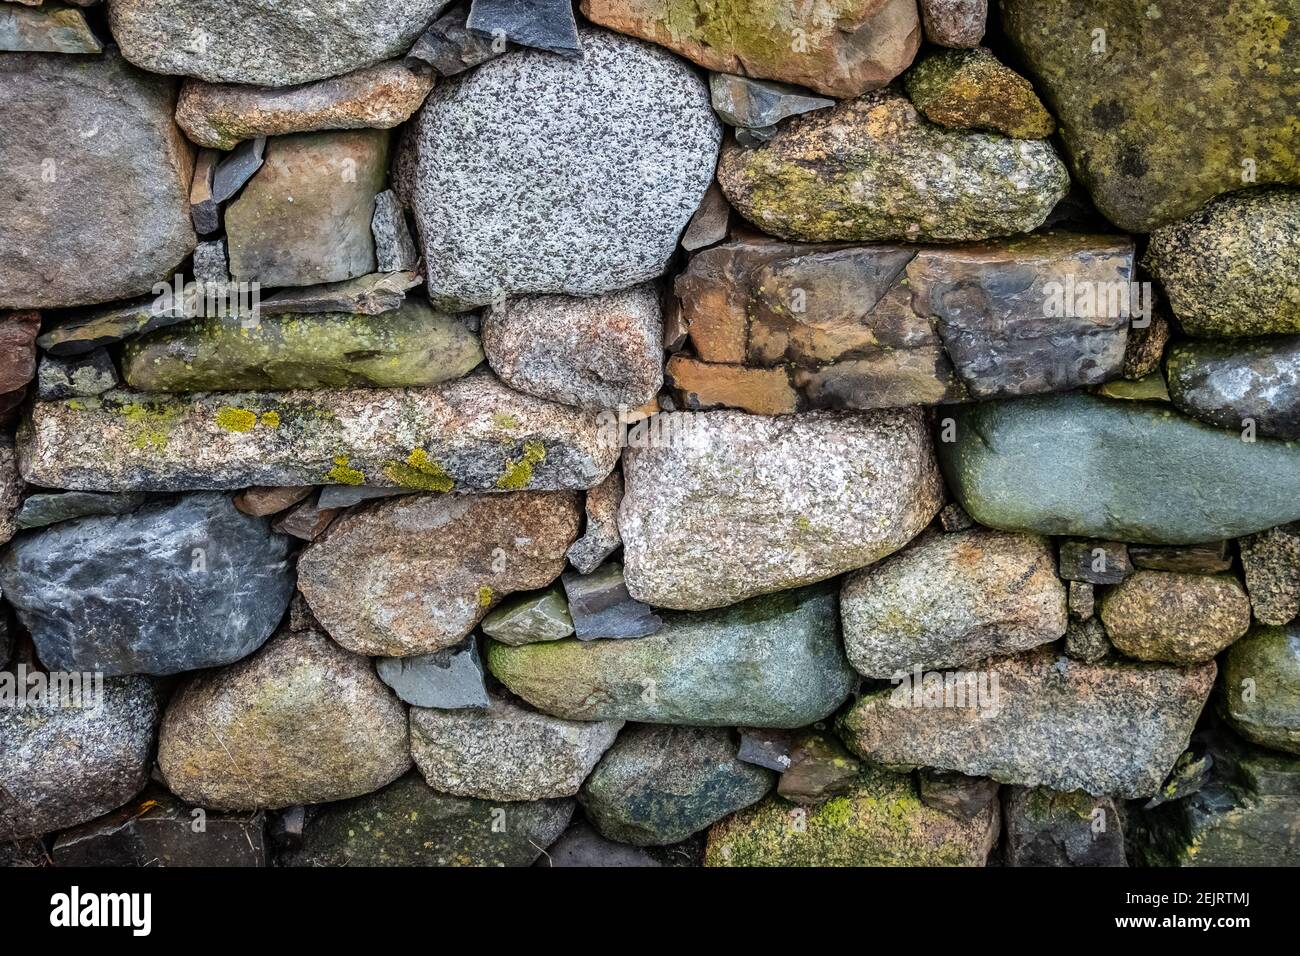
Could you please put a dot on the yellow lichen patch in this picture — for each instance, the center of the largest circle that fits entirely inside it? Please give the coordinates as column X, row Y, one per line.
column 236, row 419
column 419, row 471
column 519, row 473
column 485, row 597
column 271, row 419
column 342, row 473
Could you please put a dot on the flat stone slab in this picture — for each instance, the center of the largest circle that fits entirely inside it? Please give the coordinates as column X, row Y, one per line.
column 473, row 434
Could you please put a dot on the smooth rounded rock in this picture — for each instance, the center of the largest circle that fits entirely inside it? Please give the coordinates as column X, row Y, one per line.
column 1261, row 687
column 1233, row 383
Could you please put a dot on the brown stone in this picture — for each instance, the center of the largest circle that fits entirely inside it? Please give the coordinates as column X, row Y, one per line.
column 205, row 211
column 1179, row 618
column 702, row 385
column 307, row 521
column 18, row 349
column 260, row 502
column 954, row 23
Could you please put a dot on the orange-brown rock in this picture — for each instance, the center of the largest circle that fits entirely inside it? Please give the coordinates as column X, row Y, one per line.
column 704, row 385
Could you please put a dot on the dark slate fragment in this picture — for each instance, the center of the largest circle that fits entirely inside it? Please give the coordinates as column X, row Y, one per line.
column 1097, row 562
column 345, row 496
column 449, row 679
column 601, row 607
column 581, row 845
column 955, row 793
column 1211, row 558
column 205, row 211
column 1231, row 383
column 77, row 376
column 450, row 47
column 371, row 294
column 205, row 585
column 543, row 24
column 741, row 101
column 237, row 168
column 87, row 332
column 40, row 510
column 765, row 747
column 1048, row 828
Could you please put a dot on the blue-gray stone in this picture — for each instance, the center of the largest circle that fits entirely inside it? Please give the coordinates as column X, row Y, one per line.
column 38, row 511
column 600, row 606
column 543, row 24
column 449, row 679
column 1227, row 383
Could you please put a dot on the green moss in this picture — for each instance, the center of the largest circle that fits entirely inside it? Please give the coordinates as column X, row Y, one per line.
column 519, row 473
column 343, row 474
column 419, row 471
column 236, row 419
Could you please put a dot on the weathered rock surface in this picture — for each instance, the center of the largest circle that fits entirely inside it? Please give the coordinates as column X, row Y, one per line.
column 820, row 768
column 658, row 785
column 375, row 97
column 955, row 23
column 18, row 349
column 506, row 751
column 53, row 28
column 600, row 537
column 210, row 585
column 1178, row 618
column 732, row 505
column 1078, row 465
column 601, row 608
column 1229, row 384
column 1211, row 558
column 450, row 679
column 301, row 721
column 740, row 101
column 972, row 89
column 85, row 332
column 411, row 345
column 394, row 248
column 473, row 434
column 709, row 223
column 246, row 41
column 705, row 386
column 852, row 47
column 410, row 824
column 304, row 217
column 78, row 376
column 1081, row 599
column 1143, row 165
column 107, row 183
column 597, row 352
column 1271, row 562
column 11, row 486
column 540, row 174
column 371, row 294
column 1261, row 687
column 774, row 661
column 528, row 618
column 1096, row 562
column 881, row 822
column 582, row 846
column 1087, row 641
column 952, row 598
column 1048, row 828
column 262, row 502
column 872, row 169
column 40, row 510
column 450, row 47
column 1050, row 721
column 69, row 763
column 541, row 24
column 415, row 574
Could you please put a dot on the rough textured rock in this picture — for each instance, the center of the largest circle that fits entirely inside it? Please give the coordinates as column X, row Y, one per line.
column 601, row 608
column 1048, row 828
column 971, row 89
column 872, row 169
column 732, row 505
column 881, row 822
column 1211, row 558
column 51, row 29
column 506, row 752
column 450, row 47
column 1049, row 721
column 394, row 248
column 540, row 174
column 1096, row 562
column 820, row 768
column 1271, row 562
column 658, row 785
column 246, row 41
column 1146, row 346
column 40, row 510
column 18, row 349
column 955, row 23
column 107, row 184
column 415, row 574
column 1087, row 641
column 304, row 218
column 372, row 294
column 11, row 487
column 740, row 101
column 1230, row 384
column 1143, row 165
column 473, row 434
column 956, row 794
column 1178, row 618
column 449, row 679
column 375, row 97
column 87, row 331
column 262, row 502
column 600, row 537
column 67, row 764
column 1078, row 465
column 582, row 846
column 211, row 584
column 1081, row 599
column 952, row 598
column 1261, row 687
column 301, row 721
column 597, row 352
column 704, row 386
column 709, row 223
column 846, row 49
column 410, row 824
column 411, row 345
column 78, row 376
column 528, row 618
column 541, row 24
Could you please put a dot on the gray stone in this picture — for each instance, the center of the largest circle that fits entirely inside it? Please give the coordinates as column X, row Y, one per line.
column 53, row 28
column 237, row 168
column 1049, row 720
column 600, row 537
column 582, row 846
column 529, row 618
column 449, row 679
column 774, row 661
column 449, row 46
column 959, row 796
column 11, row 487
column 1048, row 828
column 246, row 41
column 96, row 180
column 708, row 226
column 345, row 496
column 1087, row 641
column 473, row 434
column 954, row 23
column 435, row 829
column 1260, row 693
column 578, row 178
column 603, row 351
column 506, row 752
column 210, row 264
column 720, row 506
column 1097, row 562
column 1078, row 465
column 40, row 510
column 658, row 785
column 1271, row 562
column 741, row 101
column 1178, row 618
column 394, row 248
column 542, row 24
column 949, row 599
column 205, row 211
column 70, row 761
column 766, row 747
column 372, row 294
column 1235, row 383
column 600, row 606
column 88, row 331
column 301, row 721
column 207, row 586
column 77, row 376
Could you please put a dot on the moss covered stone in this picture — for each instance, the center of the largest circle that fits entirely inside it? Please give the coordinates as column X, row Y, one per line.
column 1261, row 687
column 971, row 89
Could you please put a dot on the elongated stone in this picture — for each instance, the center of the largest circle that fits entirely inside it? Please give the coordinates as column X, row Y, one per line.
column 53, row 28
column 600, row 538
column 1048, row 720
column 11, row 487
column 528, row 618
column 741, row 101
column 542, row 24
column 411, row 345
column 473, row 434
column 394, row 248
column 1132, row 471
column 1270, row 561
column 40, row 510
column 85, row 332
column 372, row 294
column 774, row 661
column 1231, row 384
column 449, row 679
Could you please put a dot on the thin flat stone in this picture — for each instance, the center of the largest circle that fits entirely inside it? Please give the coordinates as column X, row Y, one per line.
column 530, row 617
column 372, row 294
column 85, row 333
column 450, row 47
column 53, row 28
column 237, row 168
column 205, row 210
column 542, row 24
column 601, row 607
column 449, row 679
column 40, row 510
column 741, row 101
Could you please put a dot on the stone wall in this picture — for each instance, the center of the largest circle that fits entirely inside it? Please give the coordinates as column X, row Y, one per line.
column 649, row 433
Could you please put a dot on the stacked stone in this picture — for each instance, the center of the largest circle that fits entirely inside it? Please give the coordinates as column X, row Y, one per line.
column 497, row 436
